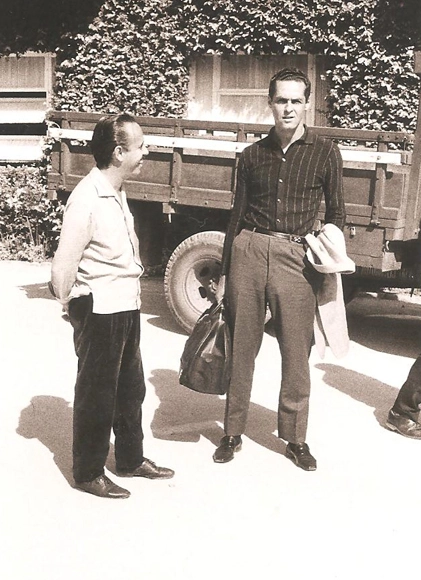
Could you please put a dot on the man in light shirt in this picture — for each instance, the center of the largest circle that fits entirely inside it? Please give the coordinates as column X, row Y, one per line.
column 95, row 276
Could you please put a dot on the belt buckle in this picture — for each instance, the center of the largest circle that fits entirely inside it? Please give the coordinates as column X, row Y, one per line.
column 296, row 239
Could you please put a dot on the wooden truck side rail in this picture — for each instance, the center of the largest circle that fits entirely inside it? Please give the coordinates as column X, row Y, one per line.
column 192, row 163
column 190, row 174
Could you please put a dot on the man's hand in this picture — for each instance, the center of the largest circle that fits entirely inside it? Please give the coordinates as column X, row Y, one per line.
column 220, row 290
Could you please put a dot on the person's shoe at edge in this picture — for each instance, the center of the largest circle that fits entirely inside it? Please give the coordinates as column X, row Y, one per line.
column 147, row 469
column 227, row 447
column 403, row 425
column 300, row 454
column 102, row 486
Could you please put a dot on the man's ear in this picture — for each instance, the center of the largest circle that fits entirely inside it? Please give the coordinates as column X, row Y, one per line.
column 307, row 105
column 118, row 153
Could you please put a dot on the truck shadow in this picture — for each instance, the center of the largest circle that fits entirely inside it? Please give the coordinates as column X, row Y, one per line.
column 387, row 326
column 155, row 305
column 153, row 302
column 186, row 416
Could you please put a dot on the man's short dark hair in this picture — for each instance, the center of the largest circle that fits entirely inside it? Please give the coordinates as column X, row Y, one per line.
column 290, row 74
column 109, row 132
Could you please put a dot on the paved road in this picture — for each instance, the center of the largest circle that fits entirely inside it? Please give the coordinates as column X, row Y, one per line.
column 357, row 516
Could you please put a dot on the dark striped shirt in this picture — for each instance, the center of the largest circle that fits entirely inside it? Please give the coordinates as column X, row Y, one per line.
column 283, row 191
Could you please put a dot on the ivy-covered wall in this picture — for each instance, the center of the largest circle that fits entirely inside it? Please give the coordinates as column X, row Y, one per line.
column 134, row 55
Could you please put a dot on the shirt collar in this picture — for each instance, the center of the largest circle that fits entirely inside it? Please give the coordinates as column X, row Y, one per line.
column 307, row 137
column 102, row 185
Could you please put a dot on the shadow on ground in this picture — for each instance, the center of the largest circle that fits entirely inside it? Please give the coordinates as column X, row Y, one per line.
column 49, row 419
column 184, row 415
column 37, row 291
column 154, row 304
column 362, row 388
column 388, row 326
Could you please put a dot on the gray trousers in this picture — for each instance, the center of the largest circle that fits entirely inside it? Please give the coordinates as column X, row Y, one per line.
column 408, row 400
column 266, row 270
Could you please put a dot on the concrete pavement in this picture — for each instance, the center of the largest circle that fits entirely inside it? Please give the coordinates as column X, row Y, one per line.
column 357, row 516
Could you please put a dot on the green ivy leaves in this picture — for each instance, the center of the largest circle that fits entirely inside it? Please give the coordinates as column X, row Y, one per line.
column 134, row 55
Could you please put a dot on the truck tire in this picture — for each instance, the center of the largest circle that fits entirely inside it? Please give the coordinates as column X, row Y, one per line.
column 191, row 276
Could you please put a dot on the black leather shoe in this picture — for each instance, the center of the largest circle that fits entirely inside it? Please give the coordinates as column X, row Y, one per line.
column 102, row 486
column 300, row 454
column 403, row 425
column 227, row 447
column 148, row 469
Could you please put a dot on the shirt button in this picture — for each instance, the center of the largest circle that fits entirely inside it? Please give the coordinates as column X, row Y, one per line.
column 283, row 159
column 278, row 200
column 278, row 221
column 280, row 181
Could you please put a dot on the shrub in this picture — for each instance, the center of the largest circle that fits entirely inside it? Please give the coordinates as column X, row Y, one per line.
column 29, row 222
column 135, row 54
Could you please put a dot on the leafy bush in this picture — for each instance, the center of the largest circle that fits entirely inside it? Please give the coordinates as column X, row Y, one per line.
column 29, row 222
column 131, row 59
column 135, row 54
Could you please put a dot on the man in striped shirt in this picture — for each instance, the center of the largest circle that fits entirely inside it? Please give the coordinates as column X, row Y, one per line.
column 281, row 181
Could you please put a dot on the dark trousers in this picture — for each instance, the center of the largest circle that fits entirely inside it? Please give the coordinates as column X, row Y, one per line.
column 268, row 270
column 109, row 391
column 409, row 397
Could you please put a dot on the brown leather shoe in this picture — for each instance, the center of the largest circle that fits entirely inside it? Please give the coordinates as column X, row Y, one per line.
column 148, row 469
column 300, row 454
column 102, row 486
column 227, row 447
column 403, row 425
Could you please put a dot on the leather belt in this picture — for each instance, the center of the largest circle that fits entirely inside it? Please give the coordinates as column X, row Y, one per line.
column 289, row 237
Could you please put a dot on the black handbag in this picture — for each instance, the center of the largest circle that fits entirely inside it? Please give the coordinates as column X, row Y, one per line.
column 206, row 360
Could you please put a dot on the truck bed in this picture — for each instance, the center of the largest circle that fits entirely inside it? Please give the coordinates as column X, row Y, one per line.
column 193, row 164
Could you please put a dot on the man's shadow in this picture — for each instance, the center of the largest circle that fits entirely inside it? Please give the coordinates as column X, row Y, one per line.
column 362, row 388
column 184, row 415
column 49, row 419
column 37, row 291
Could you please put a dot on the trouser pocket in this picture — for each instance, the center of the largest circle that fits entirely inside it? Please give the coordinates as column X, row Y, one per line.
column 80, row 311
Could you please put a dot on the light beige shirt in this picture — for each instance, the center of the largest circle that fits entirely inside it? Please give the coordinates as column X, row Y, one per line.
column 98, row 251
